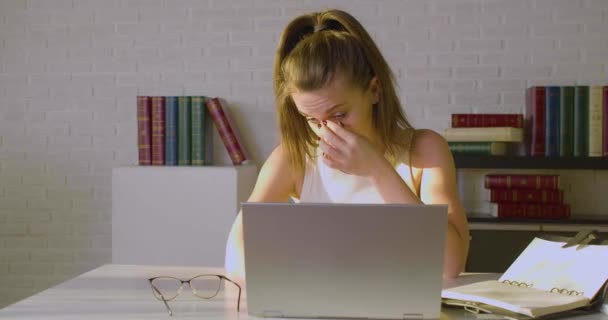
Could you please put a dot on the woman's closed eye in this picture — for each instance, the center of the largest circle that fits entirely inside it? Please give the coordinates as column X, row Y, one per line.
column 338, row 115
column 312, row 120
column 335, row 116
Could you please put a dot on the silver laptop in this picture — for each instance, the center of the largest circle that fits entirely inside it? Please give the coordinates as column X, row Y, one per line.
column 377, row 261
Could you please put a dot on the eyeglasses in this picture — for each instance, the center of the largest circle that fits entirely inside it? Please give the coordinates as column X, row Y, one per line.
column 204, row 286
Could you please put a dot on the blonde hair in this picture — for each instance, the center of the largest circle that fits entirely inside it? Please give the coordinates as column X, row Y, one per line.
column 312, row 49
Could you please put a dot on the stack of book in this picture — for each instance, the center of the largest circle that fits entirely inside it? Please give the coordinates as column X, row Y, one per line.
column 485, row 134
column 529, row 196
column 176, row 131
column 566, row 121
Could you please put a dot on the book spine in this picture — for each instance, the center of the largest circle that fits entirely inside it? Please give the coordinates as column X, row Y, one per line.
column 171, row 131
column 535, row 121
column 158, row 131
column 553, row 196
column 531, row 210
column 473, row 120
column 552, row 105
column 566, row 125
column 522, row 181
column 476, row 148
column 144, row 130
column 595, row 121
column 220, row 118
column 198, row 130
column 605, row 124
column 184, row 113
column 488, row 134
column 581, row 121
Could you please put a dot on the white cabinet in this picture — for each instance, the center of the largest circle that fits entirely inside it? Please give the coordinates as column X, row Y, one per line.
column 176, row 215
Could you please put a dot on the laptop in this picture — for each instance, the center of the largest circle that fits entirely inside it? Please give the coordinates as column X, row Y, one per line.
column 312, row 260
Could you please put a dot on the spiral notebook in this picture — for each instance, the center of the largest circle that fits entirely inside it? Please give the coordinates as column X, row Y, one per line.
column 548, row 277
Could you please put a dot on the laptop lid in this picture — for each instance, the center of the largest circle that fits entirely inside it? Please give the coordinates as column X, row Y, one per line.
column 310, row 260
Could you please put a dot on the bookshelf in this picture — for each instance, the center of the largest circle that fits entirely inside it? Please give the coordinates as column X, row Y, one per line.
column 524, row 162
column 181, row 216
column 511, row 236
column 519, row 162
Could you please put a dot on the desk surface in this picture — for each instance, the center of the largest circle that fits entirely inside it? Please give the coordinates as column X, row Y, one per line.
column 123, row 292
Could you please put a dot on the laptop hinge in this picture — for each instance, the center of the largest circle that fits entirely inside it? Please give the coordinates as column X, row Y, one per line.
column 272, row 314
column 410, row 316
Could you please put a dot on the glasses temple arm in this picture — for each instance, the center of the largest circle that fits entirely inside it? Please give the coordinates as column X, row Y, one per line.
column 238, row 304
column 165, row 301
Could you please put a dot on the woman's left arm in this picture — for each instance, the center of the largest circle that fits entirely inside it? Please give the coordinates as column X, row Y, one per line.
column 438, row 186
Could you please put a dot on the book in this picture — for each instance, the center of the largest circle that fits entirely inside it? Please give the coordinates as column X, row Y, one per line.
column 530, row 210
column 144, row 130
column 473, row 120
column 581, row 121
column 552, row 110
column 566, row 122
column 478, row 148
column 184, row 115
column 171, row 131
column 605, row 124
column 546, row 278
column 495, row 134
column 553, row 196
column 535, row 121
column 522, row 181
column 595, row 121
column 227, row 131
column 158, row 131
column 201, row 135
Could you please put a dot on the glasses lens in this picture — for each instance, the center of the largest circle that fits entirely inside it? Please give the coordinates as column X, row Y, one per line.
column 206, row 286
column 168, row 287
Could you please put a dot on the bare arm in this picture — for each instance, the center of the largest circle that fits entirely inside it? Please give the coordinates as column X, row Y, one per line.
column 438, row 186
column 275, row 184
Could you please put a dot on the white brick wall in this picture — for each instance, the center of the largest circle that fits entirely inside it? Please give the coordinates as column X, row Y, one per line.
column 70, row 71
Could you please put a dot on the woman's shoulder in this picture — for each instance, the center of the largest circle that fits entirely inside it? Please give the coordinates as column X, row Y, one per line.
column 278, row 162
column 427, row 146
column 276, row 180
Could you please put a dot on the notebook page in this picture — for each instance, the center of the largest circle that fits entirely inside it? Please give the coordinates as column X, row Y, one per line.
column 529, row 301
column 546, row 265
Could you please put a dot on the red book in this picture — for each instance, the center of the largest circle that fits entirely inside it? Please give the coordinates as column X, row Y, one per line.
column 158, row 131
column 605, row 124
column 144, row 128
column 522, row 181
column 225, row 127
column 535, row 121
column 476, row 120
column 530, row 210
column 554, row 196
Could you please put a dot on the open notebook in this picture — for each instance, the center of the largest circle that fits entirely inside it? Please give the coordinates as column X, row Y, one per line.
column 545, row 279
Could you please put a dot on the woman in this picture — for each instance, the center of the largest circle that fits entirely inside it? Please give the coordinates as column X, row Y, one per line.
column 344, row 137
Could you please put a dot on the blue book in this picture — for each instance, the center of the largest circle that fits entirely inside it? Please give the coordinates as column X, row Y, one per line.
column 552, row 111
column 171, row 131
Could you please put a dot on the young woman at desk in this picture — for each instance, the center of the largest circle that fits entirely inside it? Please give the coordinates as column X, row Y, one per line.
column 344, row 137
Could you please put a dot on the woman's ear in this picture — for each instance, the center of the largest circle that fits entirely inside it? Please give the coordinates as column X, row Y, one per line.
column 374, row 90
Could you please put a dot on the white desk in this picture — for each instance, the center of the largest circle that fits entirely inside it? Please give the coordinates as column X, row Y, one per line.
column 123, row 292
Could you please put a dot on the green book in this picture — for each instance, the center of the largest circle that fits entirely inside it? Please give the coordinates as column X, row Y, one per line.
column 581, row 121
column 566, row 125
column 199, row 124
column 184, row 114
column 478, row 148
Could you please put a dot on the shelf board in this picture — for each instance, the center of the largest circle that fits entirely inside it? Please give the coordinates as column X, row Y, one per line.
column 583, row 220
column 518, row 162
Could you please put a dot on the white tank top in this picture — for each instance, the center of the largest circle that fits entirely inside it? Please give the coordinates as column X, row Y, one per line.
column 323, row 184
